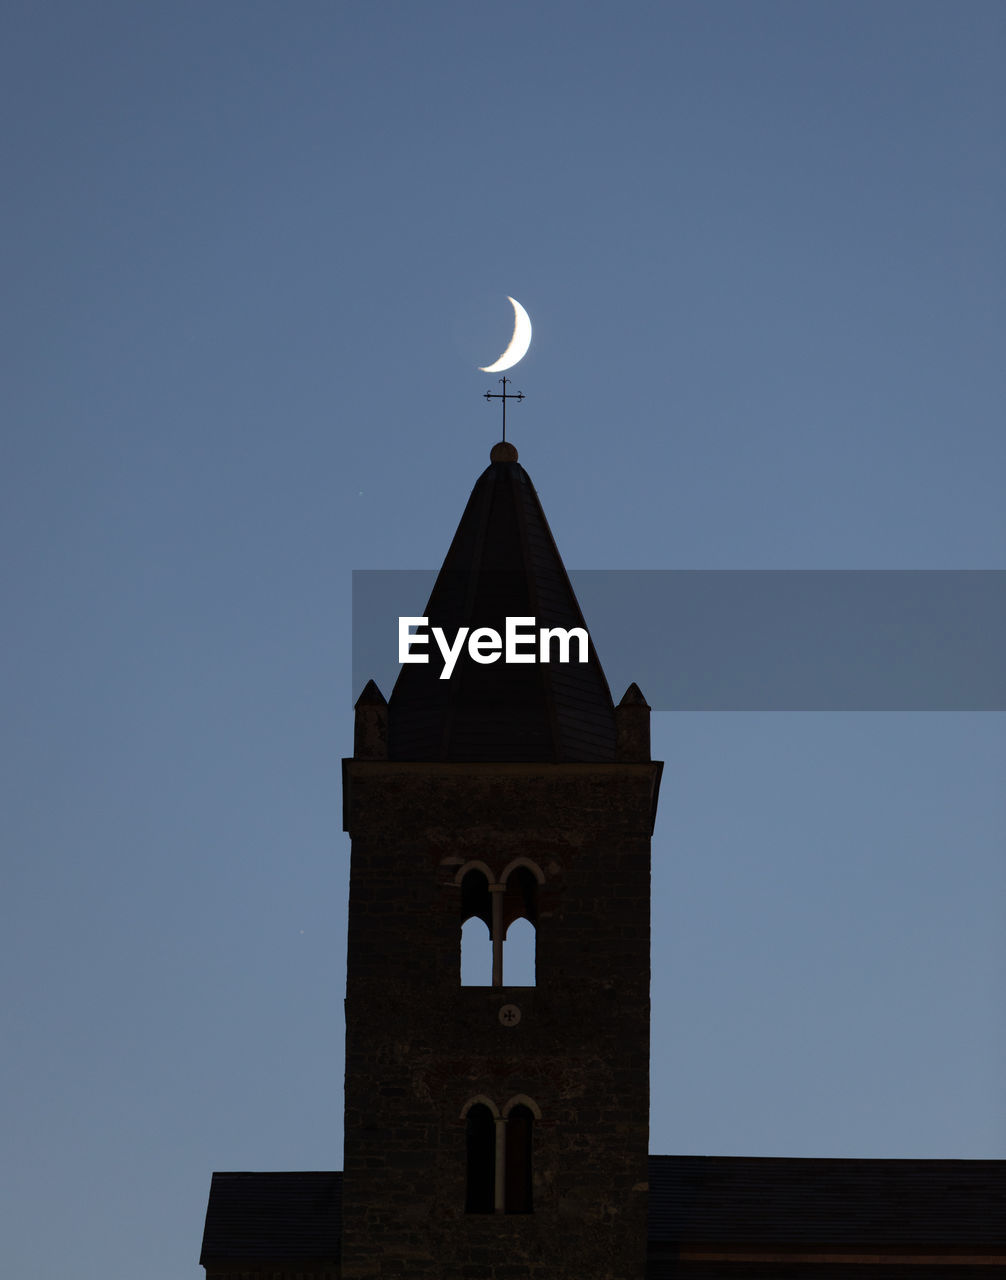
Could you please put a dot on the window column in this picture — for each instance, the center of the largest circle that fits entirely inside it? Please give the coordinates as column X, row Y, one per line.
column 496, row 892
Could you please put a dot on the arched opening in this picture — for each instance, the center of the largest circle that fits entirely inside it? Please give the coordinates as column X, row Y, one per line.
column 517, row 1185
column 476, row 931
column 519, row 955
column 520, row 918
column 476, row 954
column 480, row 1145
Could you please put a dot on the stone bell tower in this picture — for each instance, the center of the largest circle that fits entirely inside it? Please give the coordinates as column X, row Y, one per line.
column 498, row 1130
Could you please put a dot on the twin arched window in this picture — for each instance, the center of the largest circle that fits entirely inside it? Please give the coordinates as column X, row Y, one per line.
column 499, row 1155
column 494, row 913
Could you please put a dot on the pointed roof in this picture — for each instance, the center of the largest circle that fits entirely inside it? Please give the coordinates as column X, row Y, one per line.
column 503, row 562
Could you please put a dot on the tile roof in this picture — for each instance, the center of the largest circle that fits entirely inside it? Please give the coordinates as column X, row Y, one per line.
column 273, row 1217
column 503, row 562
column 282, row 1218
column 677, row 1267
column 763, row 1199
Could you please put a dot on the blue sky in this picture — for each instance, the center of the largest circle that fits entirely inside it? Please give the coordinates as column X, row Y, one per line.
column 252, row 255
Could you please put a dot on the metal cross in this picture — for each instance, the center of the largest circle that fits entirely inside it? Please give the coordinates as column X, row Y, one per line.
column 504, row 395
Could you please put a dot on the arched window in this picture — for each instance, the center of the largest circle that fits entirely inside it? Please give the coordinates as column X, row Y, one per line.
column 518, row 955
column 520, row 919
column 517, row 1196
column 509, row 911
column 499, row 1154
column 480, row 1145
column 476, row 954
column 476, row 944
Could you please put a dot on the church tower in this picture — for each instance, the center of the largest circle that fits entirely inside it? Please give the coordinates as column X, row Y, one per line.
column 498, row 1128
column 497, row 1122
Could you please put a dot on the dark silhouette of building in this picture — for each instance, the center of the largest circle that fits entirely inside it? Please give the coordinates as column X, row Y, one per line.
column 501, row 1131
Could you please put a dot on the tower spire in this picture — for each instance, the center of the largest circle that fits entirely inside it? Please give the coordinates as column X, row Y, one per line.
column 503, row 563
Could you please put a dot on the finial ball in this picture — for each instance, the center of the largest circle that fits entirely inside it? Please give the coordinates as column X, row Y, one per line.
column 503, row 452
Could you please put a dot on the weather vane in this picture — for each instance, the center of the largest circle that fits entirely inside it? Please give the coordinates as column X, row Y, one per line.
column 517, row 350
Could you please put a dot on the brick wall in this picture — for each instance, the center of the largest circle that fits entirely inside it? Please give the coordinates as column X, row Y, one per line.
column 419, row 1045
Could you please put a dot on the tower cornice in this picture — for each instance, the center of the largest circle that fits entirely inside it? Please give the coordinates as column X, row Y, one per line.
column 418, row 771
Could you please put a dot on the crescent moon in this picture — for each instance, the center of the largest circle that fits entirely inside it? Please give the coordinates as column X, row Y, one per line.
column 519, row 343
